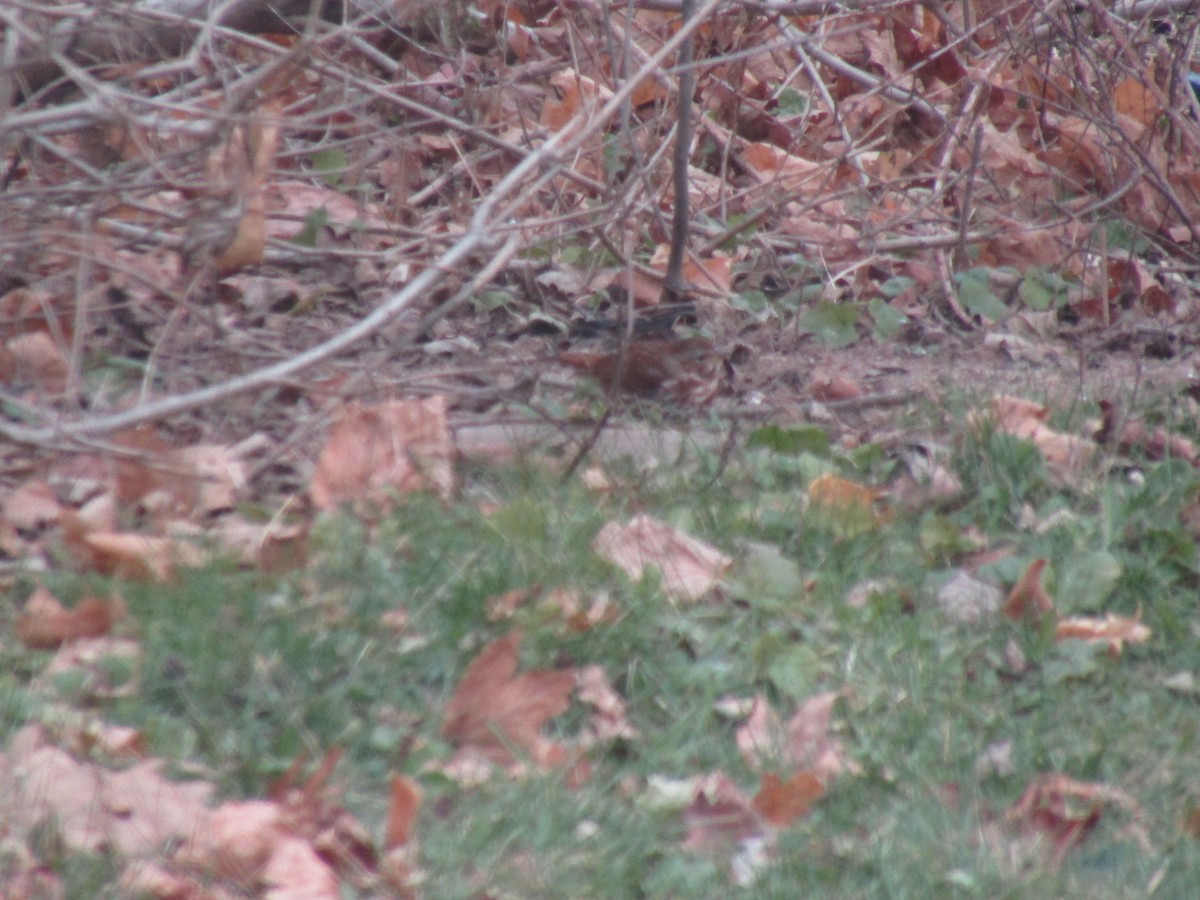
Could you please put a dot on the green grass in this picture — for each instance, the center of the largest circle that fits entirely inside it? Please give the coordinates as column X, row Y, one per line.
column 241, row 673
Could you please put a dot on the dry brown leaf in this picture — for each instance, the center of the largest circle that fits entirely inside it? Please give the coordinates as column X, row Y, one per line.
column 375, row 452
column 1112, row 629
column 1046, row 810
column 45, row 623
column 825, row 385
column 781, row 169
column 296, row 872
column 803, row 744
column 31, row 506
column 133, row 811
column 712, row 275
column 405, row 803
column 239, row 840
column 847, row 505
column 35, row 358
column 1025, row 419
column 137, row 557
column 781, row 803
column 690, row 568
column 1028, row 598
column 720, row 814
column 500, row 713
column 291, row 203
column 276, row 546
column 610, row 721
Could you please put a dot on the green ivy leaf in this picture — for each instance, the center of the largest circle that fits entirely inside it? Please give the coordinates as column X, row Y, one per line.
column 834, row 324
column 977, row 298
column 887, row 319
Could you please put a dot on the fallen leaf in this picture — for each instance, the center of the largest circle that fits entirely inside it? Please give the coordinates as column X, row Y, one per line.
column 34, row 358
column 45, row 623
column 1025, row 419
column 803, row 744
column 1028, row 597
column 1112, row 629
column 781, row 803
column 133, row 811
column 690, row 568
column 720, row 814
column 31, row 506
column 610, row 720
column 500, row 713
column 405, row 802
column 373, row 453
column 848, row 505
column 1045, row 810
column 296, row 872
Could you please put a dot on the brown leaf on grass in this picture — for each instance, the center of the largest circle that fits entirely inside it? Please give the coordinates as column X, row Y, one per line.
column 398, row 863
column 1112, row 629
column 1028, row 596
column 1062, row 811
column 1156, row 444
column 45, row 623
column 500, row 713
column 375, row 452
column 123, row 554
column 720, row 814
column 804, row 743
column 405, row 802
column 133, row 811
column 781, row 803
column 609, row 721
column 848, row 505
column 690, row 568
column 1025, row 419
column 302, row 840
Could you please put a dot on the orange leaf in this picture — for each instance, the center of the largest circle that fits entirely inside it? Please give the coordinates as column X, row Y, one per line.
column 1113, row 629
column 783, row 802
column 402, row 811
column 1028, row 596
column 46, row 624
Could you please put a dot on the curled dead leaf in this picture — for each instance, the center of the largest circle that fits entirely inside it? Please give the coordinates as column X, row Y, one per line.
column 1028, row 596
column 46, row 624
column 1112, row 629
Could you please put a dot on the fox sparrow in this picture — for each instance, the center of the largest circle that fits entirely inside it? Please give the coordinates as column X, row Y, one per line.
column 688, row 371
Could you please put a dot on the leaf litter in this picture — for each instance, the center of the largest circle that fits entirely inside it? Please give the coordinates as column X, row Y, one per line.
column 192, row 302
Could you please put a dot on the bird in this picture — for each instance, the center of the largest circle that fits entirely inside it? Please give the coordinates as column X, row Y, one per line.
column 687, row 371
